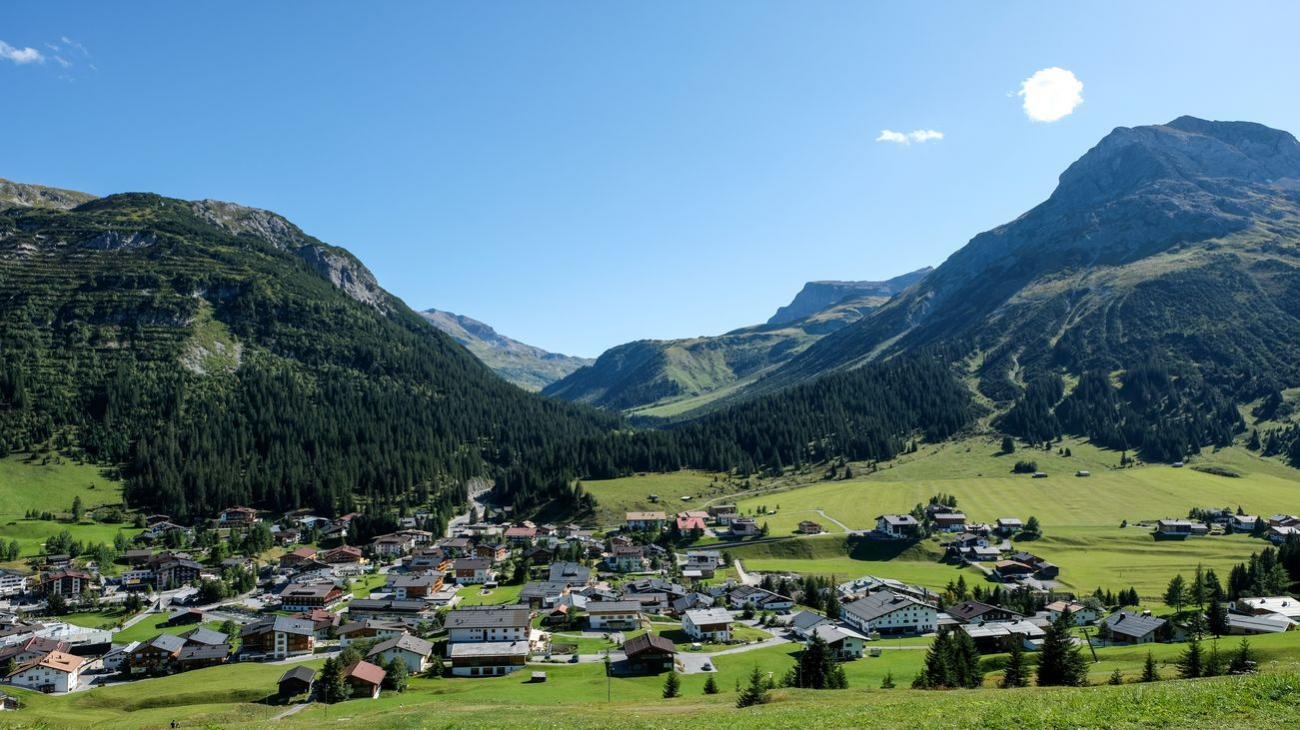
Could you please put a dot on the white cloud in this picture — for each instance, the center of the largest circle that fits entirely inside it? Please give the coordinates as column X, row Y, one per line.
column 916, row 135
column 20, row 55
column 63, row 61
column 1051, row 94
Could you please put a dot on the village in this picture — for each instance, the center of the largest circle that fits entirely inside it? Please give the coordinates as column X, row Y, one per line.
column 489, row 596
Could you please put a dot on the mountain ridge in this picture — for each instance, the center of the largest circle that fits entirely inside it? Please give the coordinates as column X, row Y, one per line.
column 527, row 366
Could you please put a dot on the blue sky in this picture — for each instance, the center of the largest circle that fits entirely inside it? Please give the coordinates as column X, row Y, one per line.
column 583, row 174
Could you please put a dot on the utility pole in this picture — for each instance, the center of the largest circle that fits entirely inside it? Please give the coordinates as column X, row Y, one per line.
column 608, row 681
column 1091, row 648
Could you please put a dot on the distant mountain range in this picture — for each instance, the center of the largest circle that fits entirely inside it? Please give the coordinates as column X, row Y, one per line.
column 668, row 378
column 531, row 368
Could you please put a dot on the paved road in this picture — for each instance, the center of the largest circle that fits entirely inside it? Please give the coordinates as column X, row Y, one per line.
column 745, row 578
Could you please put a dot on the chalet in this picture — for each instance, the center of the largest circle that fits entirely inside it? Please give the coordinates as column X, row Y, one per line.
column 520, row 535
column 688, row 522
column 539, row 554
column 614, row 615
column 721, row 509
column 176, row 573
column 365, row 679
column 1266, row 605
column 278, row 637
column 296, row 681
column 410, row 586
column 808, row 527
column 495, row 552
column 1243, row 523
column 67, row 583
column 886, row 612
column 627, row 559
column 456, row 547
column 183, row 617
column 488, row 658
column 998, row 636
column 701, row 563
column 391, row 546
column 1173, row 529
column 1284, row 521
column 201, row 656
column 844, row 642
column 287, row 537
column 708, row 624
column 238, row 516
column 645, row 521
column 1009, row 570
column 413, row 651
column 804, row 622
column 419, row 538
column 471, row 571
column 300, row 597
column 656, row 603
column 1278, row 534
column 898, row 527
column 1269, row 623
column 135, row 557
column 744, row 527
column 573, row 574
column 55, row 672
column 1123, row 627
column 950, row 522
column 1041, row 568
column 297, row 557
column 656, row 585
column 354, row 631
column 31, row 649
column 759, row 599
column 429, row 559
column 678, row 606
column 1009, row 525
column 975, row 612
column 543, row 594
column 650, row 652
column 159, row 655
column 1080, row 614
column 488, row 623
column 342, row 555
column 360, row 609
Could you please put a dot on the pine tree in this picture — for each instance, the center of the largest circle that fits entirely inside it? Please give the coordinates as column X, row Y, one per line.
column 332, row 686
column 888, row 681
column 710, row 685
column 936, row 674
column 673, row 686
column 1015, row 674
column 755, row 693
column 1243, row 662
column 1192, row 662
column 1060, row 662
column 1116, row 677
column 1149, row 671
column 397, row 676
column 964, row 660
column 1217, row 622
column 1176, row 593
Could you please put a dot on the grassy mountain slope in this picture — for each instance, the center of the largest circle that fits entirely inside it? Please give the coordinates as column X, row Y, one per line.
column 662, row 378
column 224, row 356
column 529, row 367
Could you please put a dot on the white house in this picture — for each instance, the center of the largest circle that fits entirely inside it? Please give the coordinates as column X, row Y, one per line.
column 845, row 642
column 886, row 612
column 488, row 624
column 1080, row 614
column 613, row 615
column 412, row 650
column 54, row 672
column 707, row 624
column 897, row 526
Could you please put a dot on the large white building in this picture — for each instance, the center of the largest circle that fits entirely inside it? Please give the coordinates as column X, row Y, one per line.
column 886, row 612
column 614, row 615
column 54, row 672
column 707, row 624
column 488, row 624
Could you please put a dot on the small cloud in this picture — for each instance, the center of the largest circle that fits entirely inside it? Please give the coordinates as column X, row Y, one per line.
column 1051, row 94
column 63, row 61
column 20, row 56
column 75, row 44
column 905, row 138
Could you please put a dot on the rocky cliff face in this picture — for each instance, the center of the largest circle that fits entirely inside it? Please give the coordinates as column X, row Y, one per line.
column 817, row 296
column 26, row 195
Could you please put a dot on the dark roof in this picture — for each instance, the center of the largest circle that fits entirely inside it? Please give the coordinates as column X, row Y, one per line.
column 196, row 652
column 879, row 604
column 170, row 643
column 647, row 641
column 204, row 636
column 971, row 610
column 483, row 619
column 300, row 673
column 407, row 642
column 1132, row 624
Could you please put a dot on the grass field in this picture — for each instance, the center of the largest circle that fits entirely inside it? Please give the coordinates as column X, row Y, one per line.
column 1081, row 517
column 501, row 595
column 50, row 483
column 575, row 695
column 615, row 497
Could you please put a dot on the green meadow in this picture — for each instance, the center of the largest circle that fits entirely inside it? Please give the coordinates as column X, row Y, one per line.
column 50, row 483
